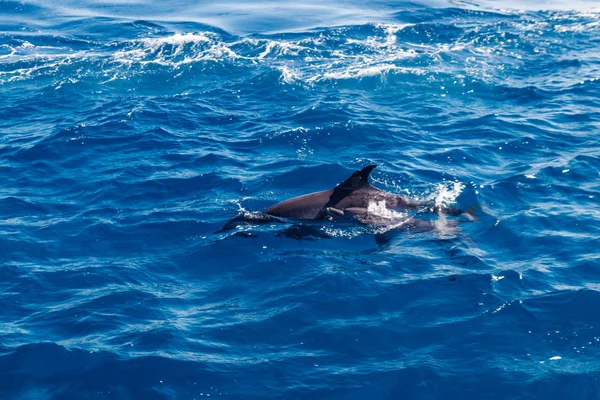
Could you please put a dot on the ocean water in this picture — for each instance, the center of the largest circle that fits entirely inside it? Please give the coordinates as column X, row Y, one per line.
column 131, row 132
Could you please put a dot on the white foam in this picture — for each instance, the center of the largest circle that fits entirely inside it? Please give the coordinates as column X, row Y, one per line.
column 175, row 50
column 389, row 219
column 343, row 232
column 306, row 60
column 446, row 195
column 380, row 209
column 178, row 39
column 287, row 75
column 361, row 71
column 317, row 63
column 332, row 55
column 277, row 47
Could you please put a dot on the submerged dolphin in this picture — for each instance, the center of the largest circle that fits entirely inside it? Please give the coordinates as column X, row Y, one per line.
column 354, row 193
column 365, row 217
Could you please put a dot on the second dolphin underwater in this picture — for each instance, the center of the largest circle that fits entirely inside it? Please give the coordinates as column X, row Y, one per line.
column 351, row 200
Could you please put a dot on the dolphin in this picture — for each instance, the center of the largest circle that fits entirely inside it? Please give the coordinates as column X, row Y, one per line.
column 361, row 215
column 365, row 217
column 355, row 193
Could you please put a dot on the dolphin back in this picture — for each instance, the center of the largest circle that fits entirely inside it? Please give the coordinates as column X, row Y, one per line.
column 308, row 206
column 314, row 205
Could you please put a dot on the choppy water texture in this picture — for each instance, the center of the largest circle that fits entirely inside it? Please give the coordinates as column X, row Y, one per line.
column 131, row 133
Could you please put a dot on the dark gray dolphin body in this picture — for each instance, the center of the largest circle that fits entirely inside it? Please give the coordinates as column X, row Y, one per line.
column 348, row 201
column 354, row 192
column 361, row 215
column 365, row 217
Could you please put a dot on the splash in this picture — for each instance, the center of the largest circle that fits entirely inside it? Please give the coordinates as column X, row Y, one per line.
column 380, row 209
column 385, row 219
column 374, row 50
column 446, row 195
column 175, row 50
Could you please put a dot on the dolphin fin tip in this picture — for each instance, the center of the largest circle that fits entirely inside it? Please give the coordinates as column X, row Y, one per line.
column 369, row 168
column 359, row 178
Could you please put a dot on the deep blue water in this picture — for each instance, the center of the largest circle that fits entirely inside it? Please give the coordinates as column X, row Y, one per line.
column 131, row 133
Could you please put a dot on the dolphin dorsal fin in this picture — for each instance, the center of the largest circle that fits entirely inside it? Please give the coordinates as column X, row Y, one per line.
column 358, row 179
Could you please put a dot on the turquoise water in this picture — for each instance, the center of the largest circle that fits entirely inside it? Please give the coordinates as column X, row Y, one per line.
column 131, row 133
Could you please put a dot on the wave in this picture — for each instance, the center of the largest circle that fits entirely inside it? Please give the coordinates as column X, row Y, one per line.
column 129, row 142
column 471, row 55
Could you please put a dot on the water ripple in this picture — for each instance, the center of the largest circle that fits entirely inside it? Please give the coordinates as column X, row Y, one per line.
column 133, row 132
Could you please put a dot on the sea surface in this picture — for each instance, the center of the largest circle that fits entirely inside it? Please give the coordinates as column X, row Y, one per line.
column 132, row 132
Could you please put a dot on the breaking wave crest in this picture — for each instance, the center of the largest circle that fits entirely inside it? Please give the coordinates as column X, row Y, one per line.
column 469, row 53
